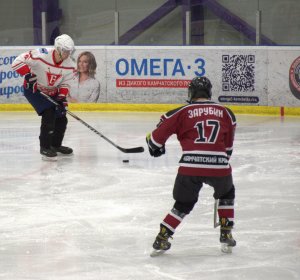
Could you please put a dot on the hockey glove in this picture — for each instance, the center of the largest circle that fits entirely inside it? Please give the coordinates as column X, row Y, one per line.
column 153, row 149
column 30, row 82
column 63, row 104
column 61, row 97
column 63, row 92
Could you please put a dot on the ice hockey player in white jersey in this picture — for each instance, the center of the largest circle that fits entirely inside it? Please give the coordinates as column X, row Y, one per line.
column 49, row 70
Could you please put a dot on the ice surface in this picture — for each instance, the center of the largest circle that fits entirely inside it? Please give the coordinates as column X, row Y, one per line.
column 91, row 216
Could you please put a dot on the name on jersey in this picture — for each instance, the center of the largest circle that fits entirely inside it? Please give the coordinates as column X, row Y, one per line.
column 198, row 112
column 204, row 159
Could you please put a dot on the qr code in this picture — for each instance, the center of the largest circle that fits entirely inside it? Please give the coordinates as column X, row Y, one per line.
column 238, row 73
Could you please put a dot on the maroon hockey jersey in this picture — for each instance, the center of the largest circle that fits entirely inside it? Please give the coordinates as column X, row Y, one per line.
column 205, row 131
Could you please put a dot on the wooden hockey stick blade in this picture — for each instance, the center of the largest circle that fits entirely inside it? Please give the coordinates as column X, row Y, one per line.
column 131, row 150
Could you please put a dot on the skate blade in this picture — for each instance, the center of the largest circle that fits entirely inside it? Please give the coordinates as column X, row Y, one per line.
column 156, row 253
column 226, row 249
column 49, row 158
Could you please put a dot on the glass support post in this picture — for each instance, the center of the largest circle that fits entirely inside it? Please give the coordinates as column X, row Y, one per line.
column 188, row 28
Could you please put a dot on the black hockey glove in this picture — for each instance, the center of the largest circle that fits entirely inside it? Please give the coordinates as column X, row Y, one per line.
column 30, row 82
column 154, row 151
column 158, row 152
column 63, row 105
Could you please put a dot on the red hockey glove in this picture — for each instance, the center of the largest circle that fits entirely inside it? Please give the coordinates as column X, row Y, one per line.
column 63, row 92
column 30, row 82
column 154, row 151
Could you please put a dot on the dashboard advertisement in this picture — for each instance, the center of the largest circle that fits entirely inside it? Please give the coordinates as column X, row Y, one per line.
column 261, row 76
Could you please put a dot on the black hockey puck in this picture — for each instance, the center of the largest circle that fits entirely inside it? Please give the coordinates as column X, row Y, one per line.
column 126, row 160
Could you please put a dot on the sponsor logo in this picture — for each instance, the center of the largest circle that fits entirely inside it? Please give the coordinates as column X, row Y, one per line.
column 52, row 78
column 294, row 78
column 157, row 72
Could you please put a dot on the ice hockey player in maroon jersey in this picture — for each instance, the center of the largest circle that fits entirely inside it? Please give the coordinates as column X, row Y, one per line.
column 205, row 130
column 49, row 70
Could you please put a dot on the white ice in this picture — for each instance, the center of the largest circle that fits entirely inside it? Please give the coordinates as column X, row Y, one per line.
column 91, row 216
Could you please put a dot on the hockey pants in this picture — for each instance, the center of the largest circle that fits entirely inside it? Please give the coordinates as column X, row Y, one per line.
column 52, row 128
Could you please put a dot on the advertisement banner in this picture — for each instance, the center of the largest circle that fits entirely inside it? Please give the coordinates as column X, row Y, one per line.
column 261, row 76
column 162, row 74
column 11, row 83
column 284, row 77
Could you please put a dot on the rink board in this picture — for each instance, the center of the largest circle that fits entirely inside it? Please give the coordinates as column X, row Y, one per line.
column 111, row 107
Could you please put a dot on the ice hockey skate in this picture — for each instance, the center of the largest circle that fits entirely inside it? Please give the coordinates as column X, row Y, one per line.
column 62, row 150
column 226, row 239
column 161, row 243
column 48, row 154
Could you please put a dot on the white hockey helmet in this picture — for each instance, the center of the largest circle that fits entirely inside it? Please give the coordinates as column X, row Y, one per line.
column 64, row 43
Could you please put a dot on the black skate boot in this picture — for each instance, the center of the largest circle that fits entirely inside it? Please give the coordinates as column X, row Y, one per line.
column 62, row 150
column 48, row 154
column 226, row 239
column 161, row 243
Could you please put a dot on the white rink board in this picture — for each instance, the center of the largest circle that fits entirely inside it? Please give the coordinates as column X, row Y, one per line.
column 136, row 74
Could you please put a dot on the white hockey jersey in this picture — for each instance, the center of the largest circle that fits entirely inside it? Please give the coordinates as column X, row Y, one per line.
column 52, row 77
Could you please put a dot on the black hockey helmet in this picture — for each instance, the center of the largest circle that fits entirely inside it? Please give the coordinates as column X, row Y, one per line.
column 199, row 87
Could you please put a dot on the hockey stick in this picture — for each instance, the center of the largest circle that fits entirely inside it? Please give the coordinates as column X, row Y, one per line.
column 124, row 150
column 216, row 223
